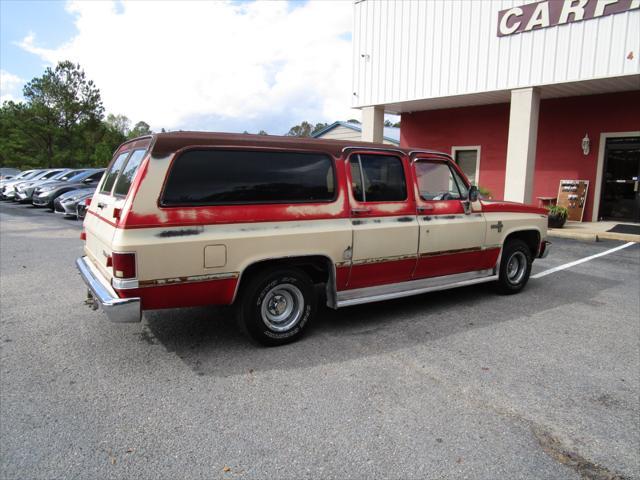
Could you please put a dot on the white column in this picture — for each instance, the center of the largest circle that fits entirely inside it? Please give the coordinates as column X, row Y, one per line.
column 521, row 149
column 372, row 124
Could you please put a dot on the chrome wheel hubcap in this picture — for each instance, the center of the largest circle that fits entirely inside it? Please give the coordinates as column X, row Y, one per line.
column 282, row 307
column 516, row 268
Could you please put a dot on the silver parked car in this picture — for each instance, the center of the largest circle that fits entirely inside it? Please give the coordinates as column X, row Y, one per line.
column 24, row 191
column 7, row 191
column 67, row 204
column 43, row 175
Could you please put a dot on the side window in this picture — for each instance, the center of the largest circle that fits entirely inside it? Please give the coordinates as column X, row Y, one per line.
column 228, row 177
column 112, row 173
column 377, row 178
column 437, row 181
column 128, row 172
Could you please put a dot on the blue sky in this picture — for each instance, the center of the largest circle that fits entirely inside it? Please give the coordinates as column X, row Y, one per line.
column 19, row 18
column 229, row 66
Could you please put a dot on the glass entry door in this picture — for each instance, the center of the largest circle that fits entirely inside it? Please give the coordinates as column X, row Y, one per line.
column 621, row 180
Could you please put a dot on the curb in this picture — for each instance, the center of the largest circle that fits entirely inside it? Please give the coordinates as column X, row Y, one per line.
column 593, row 236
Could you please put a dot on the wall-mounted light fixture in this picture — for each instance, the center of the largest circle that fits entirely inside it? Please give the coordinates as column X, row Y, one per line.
column 586, row 144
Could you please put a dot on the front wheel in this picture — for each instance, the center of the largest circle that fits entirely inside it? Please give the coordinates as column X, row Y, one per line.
column 276, row 305
column 515, row 267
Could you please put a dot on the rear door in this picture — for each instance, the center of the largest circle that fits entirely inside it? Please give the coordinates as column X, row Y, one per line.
column 383, row 218
column 103, row 214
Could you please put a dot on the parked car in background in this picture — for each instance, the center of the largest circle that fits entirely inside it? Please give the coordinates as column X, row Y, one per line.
column 7, row 173
column 8, row 189
column 44, row 195
column 67, row 203
column 81, row 208
column 21, row 176
column 42, row 176
column 24, row 191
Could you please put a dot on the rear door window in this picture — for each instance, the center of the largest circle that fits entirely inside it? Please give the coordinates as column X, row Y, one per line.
column 377, row 178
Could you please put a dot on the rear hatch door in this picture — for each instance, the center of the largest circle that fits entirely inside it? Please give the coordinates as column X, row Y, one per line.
column 102, row 218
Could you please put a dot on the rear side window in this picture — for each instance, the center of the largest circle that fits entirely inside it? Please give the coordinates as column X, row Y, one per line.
column 128, row 172
column 377, row 178
column 112, row 173
column 219, row 177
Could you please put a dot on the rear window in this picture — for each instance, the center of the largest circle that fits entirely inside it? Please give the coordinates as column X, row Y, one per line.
column 121, row 172
column 222, row 177
column 128, row 172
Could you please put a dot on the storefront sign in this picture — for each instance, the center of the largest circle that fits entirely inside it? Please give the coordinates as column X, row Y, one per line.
column 550, row 13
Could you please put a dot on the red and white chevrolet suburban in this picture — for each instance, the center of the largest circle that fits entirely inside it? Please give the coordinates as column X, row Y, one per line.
column 187, row 219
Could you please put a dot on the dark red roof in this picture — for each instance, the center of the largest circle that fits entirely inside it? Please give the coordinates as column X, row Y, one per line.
column 166, row 143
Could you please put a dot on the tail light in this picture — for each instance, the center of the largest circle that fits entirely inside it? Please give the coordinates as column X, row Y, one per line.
column 87, row 202
column 83, row 235
column 124, row 265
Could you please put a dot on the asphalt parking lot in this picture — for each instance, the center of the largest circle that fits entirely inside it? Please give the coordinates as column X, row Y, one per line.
column 457, row 384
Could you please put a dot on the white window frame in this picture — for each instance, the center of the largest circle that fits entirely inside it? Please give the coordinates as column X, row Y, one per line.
column 478, row 149
column 597, row 191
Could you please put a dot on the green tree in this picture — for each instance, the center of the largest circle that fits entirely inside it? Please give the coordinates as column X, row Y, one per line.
column 305, row 129
column 17, row 148
column 66, row 111
column 353, row 120
column 118, row 122
column 140, row 129
column 262, row 132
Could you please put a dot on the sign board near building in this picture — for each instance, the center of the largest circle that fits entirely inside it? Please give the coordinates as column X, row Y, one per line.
column 550, row 13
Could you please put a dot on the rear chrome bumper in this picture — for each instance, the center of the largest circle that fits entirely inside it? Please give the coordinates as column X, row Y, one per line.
column 544, row 249
column 119, row 310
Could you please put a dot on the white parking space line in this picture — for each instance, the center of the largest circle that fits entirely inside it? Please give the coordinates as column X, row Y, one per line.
column 582, row 260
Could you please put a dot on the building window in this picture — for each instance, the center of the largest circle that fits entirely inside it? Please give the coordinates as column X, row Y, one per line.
column 468, row 159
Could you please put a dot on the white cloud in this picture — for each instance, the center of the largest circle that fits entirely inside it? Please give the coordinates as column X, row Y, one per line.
column 214, row 64
column 10, row 86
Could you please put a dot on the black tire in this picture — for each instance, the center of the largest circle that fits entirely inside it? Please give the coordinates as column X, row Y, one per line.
column 265, row 299
column 515, row 267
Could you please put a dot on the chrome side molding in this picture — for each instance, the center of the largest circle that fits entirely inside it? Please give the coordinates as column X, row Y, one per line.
column 357, row 296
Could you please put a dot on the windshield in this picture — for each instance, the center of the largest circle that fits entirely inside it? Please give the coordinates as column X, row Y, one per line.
column 71, row 174
column 31, row 175
column 78, row 177
column 60, row 175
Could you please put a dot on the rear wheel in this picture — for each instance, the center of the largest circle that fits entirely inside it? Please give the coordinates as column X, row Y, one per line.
column 276, row 305
column 515, row 267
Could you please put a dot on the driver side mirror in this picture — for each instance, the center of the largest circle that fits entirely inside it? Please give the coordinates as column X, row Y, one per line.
column 89, row 180
column 473, row 193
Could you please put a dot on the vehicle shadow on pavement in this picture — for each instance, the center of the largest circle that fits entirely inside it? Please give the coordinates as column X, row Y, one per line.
column 210, row 342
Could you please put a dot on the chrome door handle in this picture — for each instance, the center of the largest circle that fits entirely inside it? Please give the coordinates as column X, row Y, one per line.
column 425, row 208
column 101, row 205
column 360, row 211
